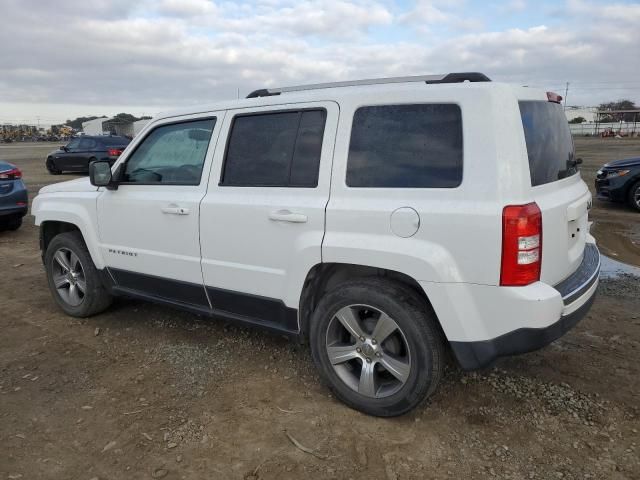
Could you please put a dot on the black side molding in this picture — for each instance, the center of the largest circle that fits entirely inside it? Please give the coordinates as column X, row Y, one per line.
column 242, row 308
column 270, row 311
column 163, row 288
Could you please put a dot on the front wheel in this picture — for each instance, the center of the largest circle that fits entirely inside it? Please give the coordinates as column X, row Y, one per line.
column 377, row 345
column 634, row 195
column 73, row 279
column 51, row 167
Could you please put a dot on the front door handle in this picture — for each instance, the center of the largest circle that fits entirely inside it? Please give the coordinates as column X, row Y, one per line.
column 287, row 216
column 175, row 210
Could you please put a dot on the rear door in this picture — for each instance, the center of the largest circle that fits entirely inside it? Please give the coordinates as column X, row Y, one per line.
column 86, row 150
column 262, row 220
column 557, row 188
column 67, row 159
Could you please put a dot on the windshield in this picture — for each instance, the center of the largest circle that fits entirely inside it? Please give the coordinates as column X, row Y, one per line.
column 549, row 142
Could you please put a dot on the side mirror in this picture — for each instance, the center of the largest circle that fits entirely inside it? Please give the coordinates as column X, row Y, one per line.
column 64, row 148
column 578, row 161
column 100, row 173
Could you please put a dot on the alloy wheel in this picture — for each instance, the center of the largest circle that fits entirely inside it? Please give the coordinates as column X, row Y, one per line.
column 636, row 197
column 368, row 351
column 68, row 277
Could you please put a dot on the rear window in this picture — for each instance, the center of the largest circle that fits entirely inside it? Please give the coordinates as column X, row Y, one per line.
column 549, row 142
column 406, row 146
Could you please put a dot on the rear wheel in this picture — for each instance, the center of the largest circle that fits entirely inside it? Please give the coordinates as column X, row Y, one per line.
column 73, row 279
column 634, row 195
column 378, row 346
column 14, row 223
column 11, row 223
column 51, row 167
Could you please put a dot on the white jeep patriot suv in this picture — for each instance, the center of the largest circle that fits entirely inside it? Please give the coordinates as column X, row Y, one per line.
column 383, row 221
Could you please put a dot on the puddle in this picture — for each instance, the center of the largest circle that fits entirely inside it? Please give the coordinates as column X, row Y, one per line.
column 619, row 240
column 610, row 268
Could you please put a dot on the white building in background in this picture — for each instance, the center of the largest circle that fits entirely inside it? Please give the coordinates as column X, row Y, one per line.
column 139, row 125
column 113, row 126
column 94, row 127
column 588, row 113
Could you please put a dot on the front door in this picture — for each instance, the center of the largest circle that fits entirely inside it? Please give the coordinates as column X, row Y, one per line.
column 68, row 158
column 262, row 220
column 149, row 227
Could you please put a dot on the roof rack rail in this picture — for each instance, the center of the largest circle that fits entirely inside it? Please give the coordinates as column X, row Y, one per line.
column 428, row 79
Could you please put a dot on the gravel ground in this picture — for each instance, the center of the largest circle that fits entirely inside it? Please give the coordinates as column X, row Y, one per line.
column 146, row 392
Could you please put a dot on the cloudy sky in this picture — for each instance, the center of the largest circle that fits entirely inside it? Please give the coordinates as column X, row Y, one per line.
column 64, row 58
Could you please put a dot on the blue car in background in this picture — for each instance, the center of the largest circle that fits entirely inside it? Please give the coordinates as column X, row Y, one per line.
column 14, row 200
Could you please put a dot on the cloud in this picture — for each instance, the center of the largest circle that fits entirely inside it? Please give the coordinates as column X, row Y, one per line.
column 153, row 55
column 187, row 8
column 428, row 12
column 516, row 6
column 626, row 13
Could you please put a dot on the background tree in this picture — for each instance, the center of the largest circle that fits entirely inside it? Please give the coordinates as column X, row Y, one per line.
column 77, row 123
column 619, row 105
column 578, row 120
column 120, row 118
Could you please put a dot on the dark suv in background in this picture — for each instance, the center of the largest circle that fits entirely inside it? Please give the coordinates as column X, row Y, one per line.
column 76, row 155
column 619, row 181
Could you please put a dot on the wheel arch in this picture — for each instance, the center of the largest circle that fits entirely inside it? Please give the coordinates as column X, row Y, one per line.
column 50, row 228
column 632, row 182
column 323, row 277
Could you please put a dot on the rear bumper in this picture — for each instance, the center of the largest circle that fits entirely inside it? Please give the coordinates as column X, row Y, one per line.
column 577, row 293
column 9, row 201
column 14, row 211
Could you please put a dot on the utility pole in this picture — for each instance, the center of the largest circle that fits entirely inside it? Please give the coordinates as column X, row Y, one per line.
column 38, row 118
column 566, row 94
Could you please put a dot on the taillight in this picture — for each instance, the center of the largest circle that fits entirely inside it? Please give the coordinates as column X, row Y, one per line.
column 12, row 174
column 521, row 245
column 114, row 152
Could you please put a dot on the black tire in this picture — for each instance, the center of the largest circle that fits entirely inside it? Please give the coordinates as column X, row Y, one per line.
column 14, row 223
column 51, row 167
column 418, row 326
column 11, row 223
column 95, row 298
column 634, row 195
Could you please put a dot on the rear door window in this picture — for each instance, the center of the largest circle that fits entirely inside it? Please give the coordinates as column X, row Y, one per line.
column 278, row 149
column 549, row 142
column 406, row 146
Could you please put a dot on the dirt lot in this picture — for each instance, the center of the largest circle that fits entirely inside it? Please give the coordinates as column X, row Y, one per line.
column 143, row 391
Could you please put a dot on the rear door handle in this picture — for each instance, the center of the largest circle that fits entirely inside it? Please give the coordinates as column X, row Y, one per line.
column 175, row 210
column 287, row 216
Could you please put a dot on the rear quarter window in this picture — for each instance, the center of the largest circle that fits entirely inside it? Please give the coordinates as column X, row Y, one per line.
column 406, row 146
column 549, row 143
